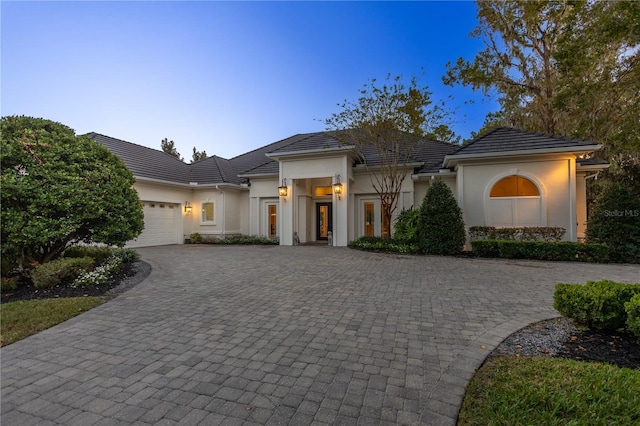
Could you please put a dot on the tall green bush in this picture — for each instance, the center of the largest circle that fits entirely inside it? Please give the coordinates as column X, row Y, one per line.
column 615, row 220
column 633, row 314
column 441, row 228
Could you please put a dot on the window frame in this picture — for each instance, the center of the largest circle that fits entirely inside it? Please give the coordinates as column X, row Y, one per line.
column 203, row 218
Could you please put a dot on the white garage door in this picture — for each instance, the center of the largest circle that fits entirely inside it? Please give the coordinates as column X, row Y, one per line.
column 161, row 222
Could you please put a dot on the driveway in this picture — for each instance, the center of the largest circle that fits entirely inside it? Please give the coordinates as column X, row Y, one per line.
column 282, row 335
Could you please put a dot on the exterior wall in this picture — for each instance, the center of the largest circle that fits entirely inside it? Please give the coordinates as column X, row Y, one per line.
column 262, row 192
column 151, row 191
column 555, row 178
column 581, row 204
column 294, row 208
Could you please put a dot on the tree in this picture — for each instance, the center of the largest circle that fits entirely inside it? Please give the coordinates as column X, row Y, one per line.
column 388, row 123
column 197, row 155
column 59, row 189
column 615, row 221
column 170, row 148
column 568, row 68
column 441, row 228
column 517, row 62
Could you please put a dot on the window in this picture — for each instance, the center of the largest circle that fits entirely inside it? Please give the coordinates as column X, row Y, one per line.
column 272, row 220
column 373, row 223
column 514, row 186
column 320, row 191
column 207, row 212
column 515, row 201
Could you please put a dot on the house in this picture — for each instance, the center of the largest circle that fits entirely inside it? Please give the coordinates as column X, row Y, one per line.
column 312, row 187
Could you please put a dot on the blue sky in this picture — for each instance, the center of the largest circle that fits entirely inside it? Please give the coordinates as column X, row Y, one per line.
column 226, row 77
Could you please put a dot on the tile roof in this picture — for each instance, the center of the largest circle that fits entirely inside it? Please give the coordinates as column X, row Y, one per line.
column 507, row 139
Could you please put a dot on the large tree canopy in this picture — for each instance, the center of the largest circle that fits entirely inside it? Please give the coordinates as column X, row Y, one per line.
column 388, row 122
column 59, row 189
column 565, row 67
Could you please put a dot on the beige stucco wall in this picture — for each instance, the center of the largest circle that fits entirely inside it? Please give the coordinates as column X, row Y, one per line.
column 555, row 177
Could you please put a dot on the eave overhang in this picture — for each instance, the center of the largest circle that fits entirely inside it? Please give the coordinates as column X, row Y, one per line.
column 453, row 159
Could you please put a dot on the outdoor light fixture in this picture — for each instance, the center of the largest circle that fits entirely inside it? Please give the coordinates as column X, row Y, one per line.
column 282, row 189
column 187, row 207
column 337, row 187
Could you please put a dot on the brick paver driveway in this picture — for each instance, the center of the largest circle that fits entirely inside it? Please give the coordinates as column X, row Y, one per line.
column 282, row 335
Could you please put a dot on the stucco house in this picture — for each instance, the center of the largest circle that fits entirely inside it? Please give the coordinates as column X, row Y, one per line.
column 287, row 189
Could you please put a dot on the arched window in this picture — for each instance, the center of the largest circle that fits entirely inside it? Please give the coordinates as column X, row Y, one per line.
column 514, row 201
column 514, row 186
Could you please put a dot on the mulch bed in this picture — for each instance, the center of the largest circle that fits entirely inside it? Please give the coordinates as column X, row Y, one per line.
column 621, row 349
column 129, row 276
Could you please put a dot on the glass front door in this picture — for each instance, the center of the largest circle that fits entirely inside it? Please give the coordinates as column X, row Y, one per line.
column 324, row 220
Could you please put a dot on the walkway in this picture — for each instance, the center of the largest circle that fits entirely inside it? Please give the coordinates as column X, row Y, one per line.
column 282, row 335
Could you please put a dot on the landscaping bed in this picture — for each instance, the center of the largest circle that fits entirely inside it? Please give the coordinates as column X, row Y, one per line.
column 131, row 274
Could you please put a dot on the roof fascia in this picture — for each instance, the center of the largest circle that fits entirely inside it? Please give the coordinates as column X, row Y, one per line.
column 258, row 175
column 308, row 152
column 452, row 159
column 592, row 167
column 185, row 185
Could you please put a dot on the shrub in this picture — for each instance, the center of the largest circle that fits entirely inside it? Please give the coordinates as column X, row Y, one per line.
column 101, row 275
column 541, row 250
column 60, row 271
column 195, row 238
column 127, row 255
column 441, row 228
column 406, row 226
column 615, row 221
column 632, row 307
column 8, row 284
column 99, row 254
column 527, row 233
column 598, row 304
column 385, row 245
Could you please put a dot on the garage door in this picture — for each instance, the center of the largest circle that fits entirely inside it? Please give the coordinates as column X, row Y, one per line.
column 161, row 221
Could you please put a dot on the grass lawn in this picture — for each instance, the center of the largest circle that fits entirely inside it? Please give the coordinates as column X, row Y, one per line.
column 26, row 317
column 551, row 391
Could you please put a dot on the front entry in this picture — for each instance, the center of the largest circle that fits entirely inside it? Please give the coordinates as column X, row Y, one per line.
column 324, row 220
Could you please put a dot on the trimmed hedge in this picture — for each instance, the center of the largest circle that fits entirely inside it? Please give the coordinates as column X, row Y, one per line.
column 60, row 271
column 197, row 238
column 597, row 304
column 541, row 250
column 440, row 226
column 99, row 254
column 527, row 233
column 384, row 245
column 632, row 308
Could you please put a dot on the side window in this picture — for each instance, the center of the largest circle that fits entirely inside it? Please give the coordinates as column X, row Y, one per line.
column 207, row 212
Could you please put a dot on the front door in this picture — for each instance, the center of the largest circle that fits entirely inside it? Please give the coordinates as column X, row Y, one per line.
column 324, row 220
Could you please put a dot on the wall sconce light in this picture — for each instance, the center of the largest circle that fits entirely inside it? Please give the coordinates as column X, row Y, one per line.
column 187, row 207
column 337, row 187
column 282, row 190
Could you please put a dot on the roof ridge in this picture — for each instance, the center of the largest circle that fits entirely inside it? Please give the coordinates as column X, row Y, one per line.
column 133, row 143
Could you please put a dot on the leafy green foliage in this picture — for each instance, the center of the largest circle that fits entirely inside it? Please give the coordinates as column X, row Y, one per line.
column 196, row 238
column 169, row 147
column 198, row 155
column 441, row 228
column 632, row 307
column 100, row 275
column 387, row 245
column 127, row 255
column 405, row 227
column 99, row 254
column 8, row 283
column 389, row 122
column 527, row 233
column 59, row 189
column 615, row 220
column 541, row 250
column 598, row 304
column 550, row 392
column 62, row 271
